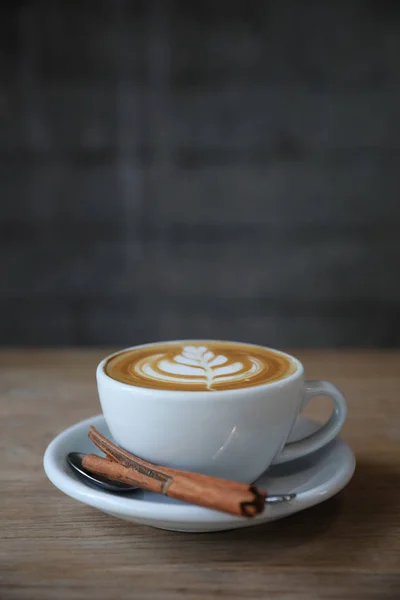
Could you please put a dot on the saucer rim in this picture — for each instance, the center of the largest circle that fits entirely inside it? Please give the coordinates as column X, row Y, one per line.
column 159, row 512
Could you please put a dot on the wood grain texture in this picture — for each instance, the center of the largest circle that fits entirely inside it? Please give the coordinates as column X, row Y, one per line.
column 53, row 547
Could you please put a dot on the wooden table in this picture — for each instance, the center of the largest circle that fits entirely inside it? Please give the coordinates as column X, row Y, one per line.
column 54, row 548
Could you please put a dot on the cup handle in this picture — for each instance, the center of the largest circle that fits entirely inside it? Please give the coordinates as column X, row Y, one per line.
column 327, row 432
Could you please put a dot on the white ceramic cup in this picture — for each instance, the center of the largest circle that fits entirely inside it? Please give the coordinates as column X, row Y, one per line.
column 236, row 434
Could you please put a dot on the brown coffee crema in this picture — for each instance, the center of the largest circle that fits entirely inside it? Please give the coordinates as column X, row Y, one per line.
column 199, row 366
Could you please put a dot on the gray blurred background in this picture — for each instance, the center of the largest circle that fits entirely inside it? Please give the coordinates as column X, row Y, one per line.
column 200, row 169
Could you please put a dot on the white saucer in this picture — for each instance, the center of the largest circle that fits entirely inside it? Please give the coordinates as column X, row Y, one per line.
column 314, row 479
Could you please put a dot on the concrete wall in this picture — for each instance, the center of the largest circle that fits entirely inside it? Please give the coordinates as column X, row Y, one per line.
column 179, row 169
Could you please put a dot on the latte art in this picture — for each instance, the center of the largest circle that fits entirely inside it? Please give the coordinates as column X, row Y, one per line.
column 198, row 365
column 202, row 366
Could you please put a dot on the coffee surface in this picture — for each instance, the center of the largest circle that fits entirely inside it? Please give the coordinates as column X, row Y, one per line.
column 199, row 366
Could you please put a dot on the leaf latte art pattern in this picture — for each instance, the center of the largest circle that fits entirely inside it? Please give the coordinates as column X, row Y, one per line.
column 196, row 365
column 207, row 366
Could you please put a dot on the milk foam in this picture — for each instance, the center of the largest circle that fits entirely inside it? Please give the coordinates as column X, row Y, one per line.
column 195, row 365
column 202, row 366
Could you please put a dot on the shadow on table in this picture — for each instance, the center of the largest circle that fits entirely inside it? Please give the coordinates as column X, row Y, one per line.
column 349, row 526
column 346, row 523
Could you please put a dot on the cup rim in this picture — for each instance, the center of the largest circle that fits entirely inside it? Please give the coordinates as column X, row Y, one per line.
column 299, row 372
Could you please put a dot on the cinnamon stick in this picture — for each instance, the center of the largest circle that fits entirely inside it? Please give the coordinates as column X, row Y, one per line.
column 232, row 497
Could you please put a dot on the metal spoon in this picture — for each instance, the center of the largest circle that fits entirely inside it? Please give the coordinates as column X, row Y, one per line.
column 75, row 461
